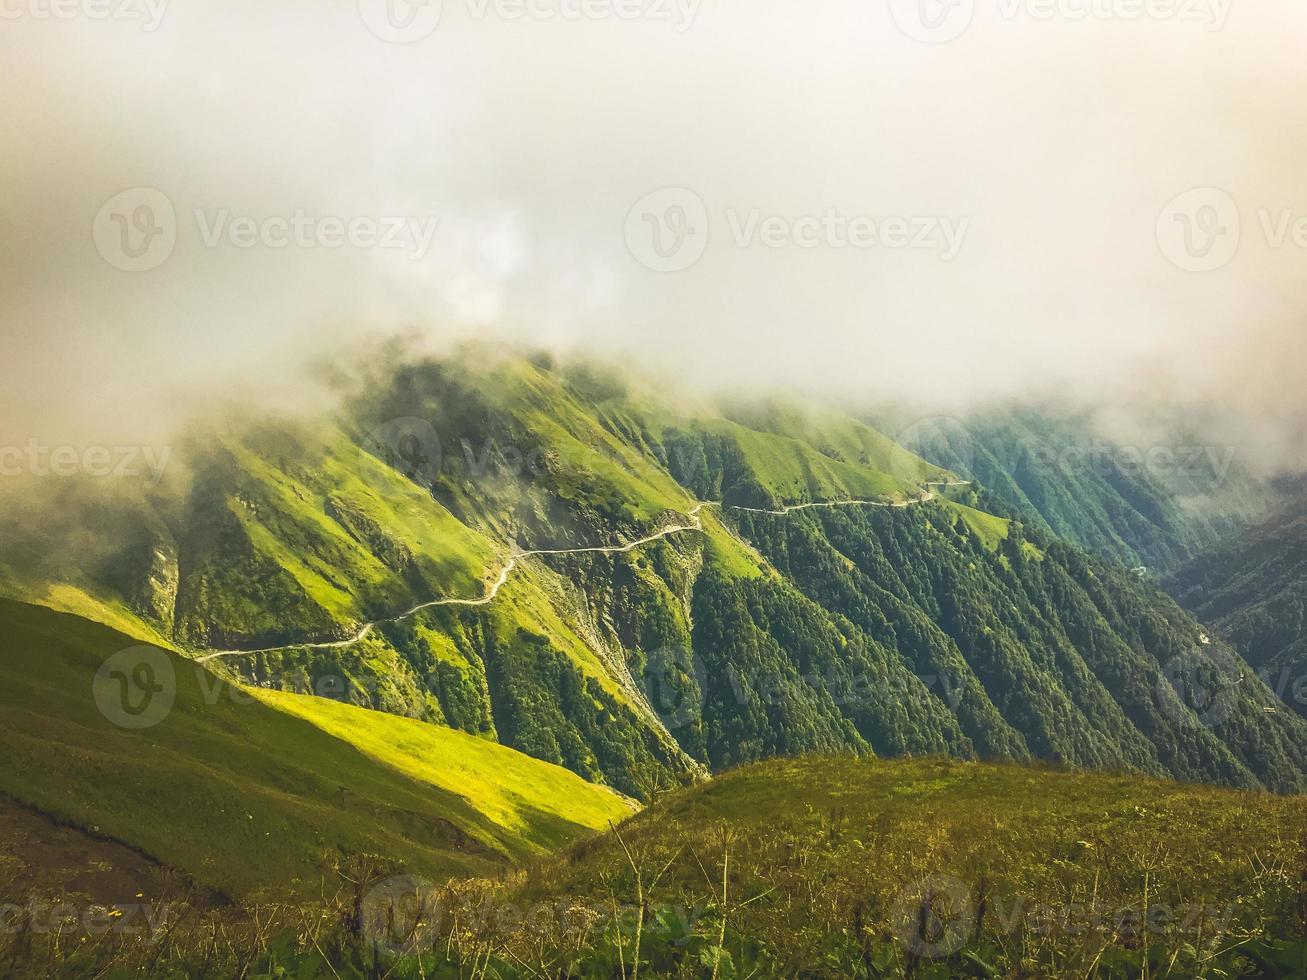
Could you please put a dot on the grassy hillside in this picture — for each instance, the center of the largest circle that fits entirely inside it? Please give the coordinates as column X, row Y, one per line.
column 253, row 795
column 835, row 867
column 838, row 867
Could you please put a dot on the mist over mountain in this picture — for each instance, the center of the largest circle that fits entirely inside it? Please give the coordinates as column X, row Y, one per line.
column 495, row 129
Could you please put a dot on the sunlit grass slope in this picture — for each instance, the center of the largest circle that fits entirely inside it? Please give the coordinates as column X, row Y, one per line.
column 302, row 530
column 250, row 796
column 534, row 803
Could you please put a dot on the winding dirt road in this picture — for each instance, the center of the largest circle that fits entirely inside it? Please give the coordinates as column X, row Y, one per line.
column 695, row 525
column 791, row 508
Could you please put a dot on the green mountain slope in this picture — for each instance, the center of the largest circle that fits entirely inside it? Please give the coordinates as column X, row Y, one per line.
column 670, row 626
column 1040, row 649
column 1253, row 591
column 252, row 794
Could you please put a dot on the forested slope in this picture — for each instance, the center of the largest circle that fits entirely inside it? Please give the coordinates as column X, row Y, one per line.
column 1253, row 592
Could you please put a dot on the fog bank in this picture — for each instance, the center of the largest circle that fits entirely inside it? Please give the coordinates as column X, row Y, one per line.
column 207, row 201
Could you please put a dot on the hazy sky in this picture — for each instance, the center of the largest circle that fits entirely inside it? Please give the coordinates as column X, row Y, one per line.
column 942, row 199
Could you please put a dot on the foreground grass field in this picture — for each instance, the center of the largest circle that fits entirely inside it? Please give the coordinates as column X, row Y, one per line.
column 829, row 867
column 836, row 867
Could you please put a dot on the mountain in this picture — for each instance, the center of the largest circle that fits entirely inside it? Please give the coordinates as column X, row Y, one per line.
column 644, row 587
column 1253, row 591
column 1152, row 503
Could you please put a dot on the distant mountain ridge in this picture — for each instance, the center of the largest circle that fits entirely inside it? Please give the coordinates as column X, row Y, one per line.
column 1153, row 505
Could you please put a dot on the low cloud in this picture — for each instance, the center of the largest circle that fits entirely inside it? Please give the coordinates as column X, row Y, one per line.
column 995, row 206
